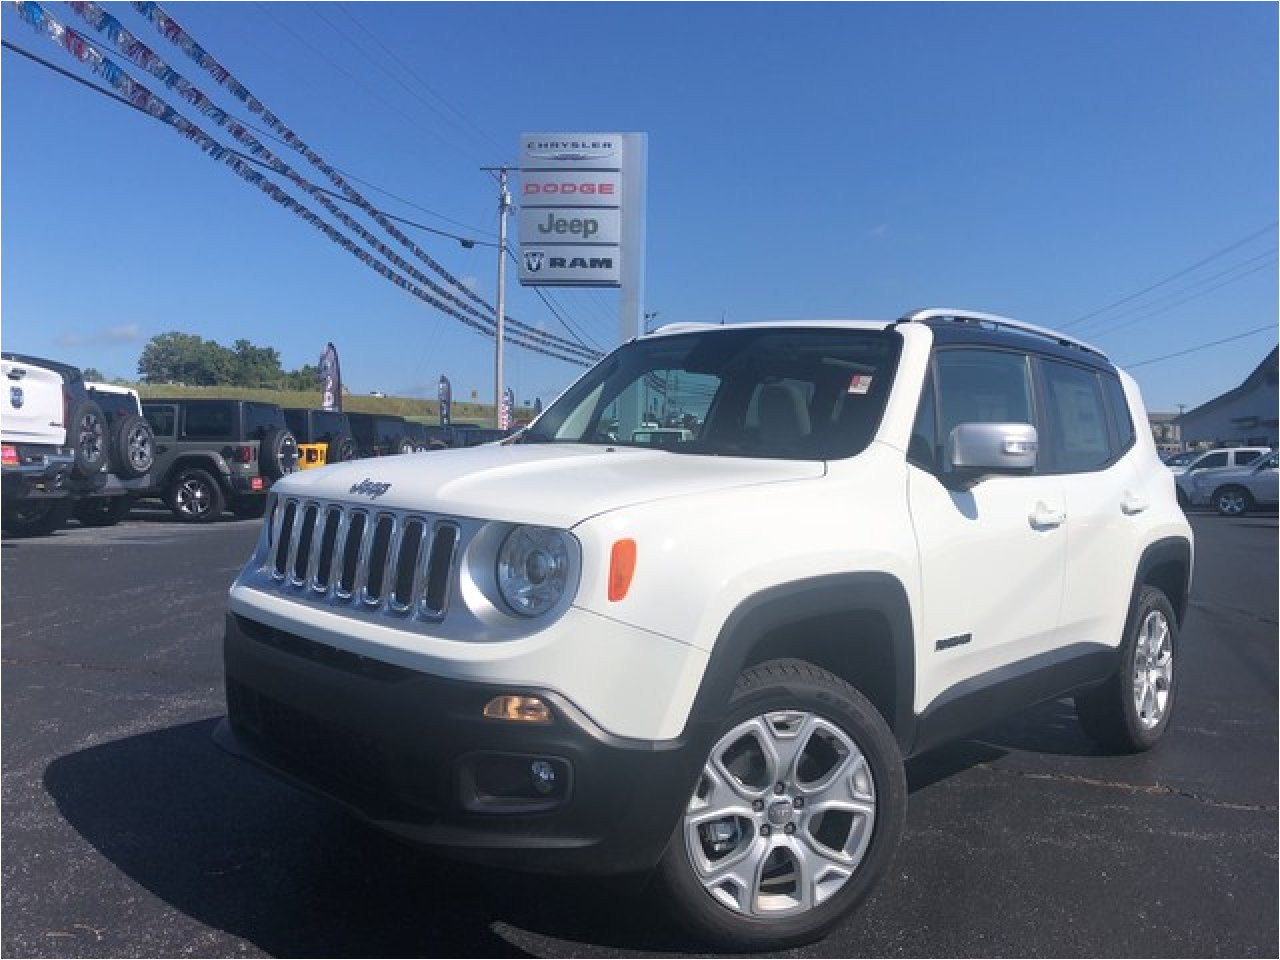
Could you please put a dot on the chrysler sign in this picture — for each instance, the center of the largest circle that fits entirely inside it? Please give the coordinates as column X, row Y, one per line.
column 572, row 215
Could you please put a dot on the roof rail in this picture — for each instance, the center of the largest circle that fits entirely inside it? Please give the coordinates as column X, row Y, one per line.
column 976, row 318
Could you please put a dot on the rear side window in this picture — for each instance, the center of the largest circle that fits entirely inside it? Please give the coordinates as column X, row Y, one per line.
column 1077, row 418
column 207, row 421
column 297, row 422
column 328, row 426
column 1121, row 417
column 1247, row 456
column 261, row 417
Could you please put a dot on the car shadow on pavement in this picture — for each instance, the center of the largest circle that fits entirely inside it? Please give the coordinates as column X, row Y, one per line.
column 238, row 851
column 1049, row 728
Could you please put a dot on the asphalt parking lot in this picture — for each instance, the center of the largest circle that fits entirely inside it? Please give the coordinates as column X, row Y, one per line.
column 126, row 832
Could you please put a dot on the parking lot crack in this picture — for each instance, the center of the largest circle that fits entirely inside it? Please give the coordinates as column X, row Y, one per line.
column 102, row 667
column 1150, row 789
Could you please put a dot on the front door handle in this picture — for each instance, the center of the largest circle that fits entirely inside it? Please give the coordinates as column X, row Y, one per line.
column 1132, row 503
column 1046, row 518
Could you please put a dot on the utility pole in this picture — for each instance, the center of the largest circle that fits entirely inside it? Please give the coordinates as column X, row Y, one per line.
column 504, row 205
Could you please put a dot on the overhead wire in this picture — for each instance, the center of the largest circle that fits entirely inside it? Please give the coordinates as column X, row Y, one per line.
column 144, row 57
column 1173, row 276
column 1203, row 346
column 141, row 98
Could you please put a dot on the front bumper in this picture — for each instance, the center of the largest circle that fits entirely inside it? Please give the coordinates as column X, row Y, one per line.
column 412, row 753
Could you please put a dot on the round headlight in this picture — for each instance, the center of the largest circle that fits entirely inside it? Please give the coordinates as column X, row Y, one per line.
column 533, row 569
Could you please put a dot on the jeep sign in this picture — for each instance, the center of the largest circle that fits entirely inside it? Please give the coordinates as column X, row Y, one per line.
column 568, row 225
column 573, row 218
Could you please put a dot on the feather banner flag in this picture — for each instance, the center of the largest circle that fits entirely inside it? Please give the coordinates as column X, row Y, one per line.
column 330, row 376
column 444, row 392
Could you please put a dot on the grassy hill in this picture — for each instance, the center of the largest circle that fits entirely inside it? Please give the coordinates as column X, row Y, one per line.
column 411, row 408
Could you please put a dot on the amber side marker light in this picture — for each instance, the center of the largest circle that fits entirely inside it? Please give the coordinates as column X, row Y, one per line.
column 518, row 708
column 622, row 565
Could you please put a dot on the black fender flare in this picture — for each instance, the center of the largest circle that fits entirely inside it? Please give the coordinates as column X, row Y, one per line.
column 1167, row 554
column 845, row 595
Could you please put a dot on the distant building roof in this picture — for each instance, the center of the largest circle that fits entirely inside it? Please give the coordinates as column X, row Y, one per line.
column 1267, row 372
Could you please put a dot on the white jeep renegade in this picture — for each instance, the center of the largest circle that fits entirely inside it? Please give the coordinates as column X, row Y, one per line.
column 693, row 620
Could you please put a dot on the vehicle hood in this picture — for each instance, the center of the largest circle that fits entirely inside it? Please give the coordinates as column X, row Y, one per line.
column 555, row 485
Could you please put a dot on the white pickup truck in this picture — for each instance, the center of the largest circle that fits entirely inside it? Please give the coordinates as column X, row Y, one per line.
column 68, row 447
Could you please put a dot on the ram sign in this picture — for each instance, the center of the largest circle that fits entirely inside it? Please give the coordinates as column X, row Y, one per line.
column 573, row 218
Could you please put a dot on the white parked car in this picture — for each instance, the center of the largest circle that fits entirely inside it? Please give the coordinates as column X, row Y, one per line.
column 587, row 653
column 1233, row 492
column 1223, row 458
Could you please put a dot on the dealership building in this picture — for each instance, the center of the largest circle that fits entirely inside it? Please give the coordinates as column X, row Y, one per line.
column 1246, row 415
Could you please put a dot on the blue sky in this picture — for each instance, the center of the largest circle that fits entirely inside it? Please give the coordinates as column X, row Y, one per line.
column 806, row 161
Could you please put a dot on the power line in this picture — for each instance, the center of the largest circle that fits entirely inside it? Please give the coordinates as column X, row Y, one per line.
column 145, row 102
column 1173, row 276
column 1194, row 296
column 1204, row 346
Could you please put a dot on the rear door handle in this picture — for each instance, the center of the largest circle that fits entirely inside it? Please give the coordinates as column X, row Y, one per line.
column 1132, row 503
column 1046, row 518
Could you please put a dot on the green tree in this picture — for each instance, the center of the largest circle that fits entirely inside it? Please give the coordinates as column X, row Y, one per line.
column 256, row 366
column 176, row 357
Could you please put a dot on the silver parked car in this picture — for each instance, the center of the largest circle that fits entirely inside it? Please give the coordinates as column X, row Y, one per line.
column 1219, row 459
column 1234, row 492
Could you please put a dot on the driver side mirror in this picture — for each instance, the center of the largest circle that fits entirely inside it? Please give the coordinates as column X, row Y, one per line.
column 978, row 450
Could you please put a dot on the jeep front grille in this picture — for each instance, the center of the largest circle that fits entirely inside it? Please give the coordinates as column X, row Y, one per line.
column 376, row 560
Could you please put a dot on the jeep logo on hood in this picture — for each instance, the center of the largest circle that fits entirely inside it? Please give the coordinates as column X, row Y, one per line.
column 370, row 489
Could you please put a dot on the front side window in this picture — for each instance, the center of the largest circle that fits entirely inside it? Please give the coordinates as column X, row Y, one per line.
column 162, row 420
column 1244, row 457
column 982, row 386
column 804, row 393
column 1210, row 461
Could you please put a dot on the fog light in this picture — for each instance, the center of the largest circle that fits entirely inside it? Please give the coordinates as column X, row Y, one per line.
column 518, row 708
column 543, row 776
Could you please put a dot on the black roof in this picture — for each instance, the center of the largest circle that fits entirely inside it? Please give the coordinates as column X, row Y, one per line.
column 950, row 333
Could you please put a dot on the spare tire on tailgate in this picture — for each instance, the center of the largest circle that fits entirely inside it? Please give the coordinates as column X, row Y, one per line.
column 133, row 447
column 278, row 453
column 87, row 438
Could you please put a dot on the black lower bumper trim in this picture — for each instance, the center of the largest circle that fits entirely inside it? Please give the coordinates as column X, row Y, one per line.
column 405, row 750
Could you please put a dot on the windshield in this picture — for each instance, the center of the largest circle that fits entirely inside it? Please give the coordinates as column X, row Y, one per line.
column 796, row 393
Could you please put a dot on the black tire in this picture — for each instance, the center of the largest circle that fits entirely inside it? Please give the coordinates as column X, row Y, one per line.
column 1110, row 714
column 35, row 518
column 249, row 506
column 779, row 692
column 1232, row 501
column 87, row 438
column 194, row 496
column 133, row 447
column 277, row 453
column 103, row 511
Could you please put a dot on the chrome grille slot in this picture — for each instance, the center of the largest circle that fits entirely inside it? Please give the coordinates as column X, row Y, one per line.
column 379, row 548
column 360, row 558
column 305, row 536
column 406, row 565
column 283, row 540
column 439, row 569
column 323, row 562
column 352, row 547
